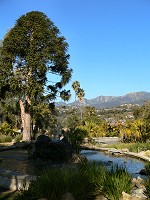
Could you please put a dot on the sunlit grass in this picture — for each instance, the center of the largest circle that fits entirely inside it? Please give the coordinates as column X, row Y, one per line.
column 132, row 147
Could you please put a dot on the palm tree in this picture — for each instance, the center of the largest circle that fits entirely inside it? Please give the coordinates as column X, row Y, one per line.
column 80, row 94
column 76, row 86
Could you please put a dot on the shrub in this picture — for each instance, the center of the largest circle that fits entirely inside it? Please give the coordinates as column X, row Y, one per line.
column 54, row 183
column 96, row 173
column 5, row 129
column 8, row 138
column 5, row 138
column 84, row 182
column 76, row 137
column 117, row 181
column 18, row 137
column 147, row 167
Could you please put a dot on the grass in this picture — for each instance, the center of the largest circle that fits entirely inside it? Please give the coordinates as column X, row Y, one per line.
column 5, row 138
column 54, row 183
column 117, row 181
column 133, row 147
column 84, row 183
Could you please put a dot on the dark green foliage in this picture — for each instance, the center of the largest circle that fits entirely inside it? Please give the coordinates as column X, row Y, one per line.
column 10, row 111
column 54, row 183
column 147, row 167
column 117, row 181
column 72, row 120
column 96, row 174
column 84, row 182
column 76, row 137
column 147, row 182
column 5, row 138
column 32, row 52
column 5, row 129
column 147, row 188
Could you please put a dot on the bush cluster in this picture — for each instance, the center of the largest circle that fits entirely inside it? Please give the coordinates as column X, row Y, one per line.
column 84, row 182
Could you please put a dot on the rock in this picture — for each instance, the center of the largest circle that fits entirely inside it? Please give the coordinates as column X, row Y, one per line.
column 137, row 182
column 100, row 197
column 46, row 149
column 134, row 181
column 77, row 158
column 67, row 196
column 126, row 196
column 43, row 139
column 125, row 150
column 143, row 172
column 138, row 192
column 110, row 161
column 145, row 153
column 138, row 188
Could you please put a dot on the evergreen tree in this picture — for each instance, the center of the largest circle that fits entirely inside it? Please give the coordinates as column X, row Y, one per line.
column 31, row 53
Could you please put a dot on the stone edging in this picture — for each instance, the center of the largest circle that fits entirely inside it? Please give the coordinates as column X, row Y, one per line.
column 116, row 151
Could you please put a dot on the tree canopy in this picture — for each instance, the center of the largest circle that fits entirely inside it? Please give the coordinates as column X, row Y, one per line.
column 32, row 53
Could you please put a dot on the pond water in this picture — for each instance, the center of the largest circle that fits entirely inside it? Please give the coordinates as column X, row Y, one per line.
column 133, row 166
column 17, row 160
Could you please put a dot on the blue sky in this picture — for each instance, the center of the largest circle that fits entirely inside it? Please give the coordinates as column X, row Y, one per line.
column 109, row 40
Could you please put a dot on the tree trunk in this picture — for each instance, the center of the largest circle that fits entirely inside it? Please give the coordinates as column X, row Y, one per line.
column 26, row 121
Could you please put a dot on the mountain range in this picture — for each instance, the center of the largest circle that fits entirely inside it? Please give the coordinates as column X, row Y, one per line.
column 112, row 101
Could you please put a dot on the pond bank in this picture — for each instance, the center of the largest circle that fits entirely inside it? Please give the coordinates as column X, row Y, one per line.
column 12, row 180
column 113, row 151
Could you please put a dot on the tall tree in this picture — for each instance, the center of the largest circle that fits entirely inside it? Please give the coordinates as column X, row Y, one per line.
column 33, row 52
column 80, row 94
column 76, row 86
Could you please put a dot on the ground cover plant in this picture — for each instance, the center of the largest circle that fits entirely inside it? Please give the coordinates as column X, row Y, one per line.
column 133, row 147
column 117, row 181
column 83, row 182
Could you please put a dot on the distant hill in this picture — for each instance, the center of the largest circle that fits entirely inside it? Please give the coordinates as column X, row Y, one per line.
column 114, row 101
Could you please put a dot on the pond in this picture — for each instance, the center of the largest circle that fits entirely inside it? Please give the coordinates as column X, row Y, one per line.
column 17, row 160
column 133, row 166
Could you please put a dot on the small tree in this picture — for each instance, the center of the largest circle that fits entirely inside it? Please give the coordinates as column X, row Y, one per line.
column 76, row 137
column 31, row 53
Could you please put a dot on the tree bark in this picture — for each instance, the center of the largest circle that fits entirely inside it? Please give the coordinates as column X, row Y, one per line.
column 26, row 121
